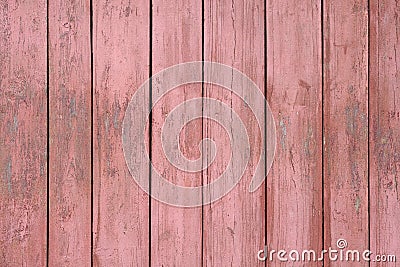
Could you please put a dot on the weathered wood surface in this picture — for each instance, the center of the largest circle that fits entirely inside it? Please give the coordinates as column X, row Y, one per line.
column 384, row 128
column 346, row 124
column 70, row 134
column 176, row 233
column 23, row 133
column 68, row 70
column 120, row 66
column 234, row 227
column 294, row 91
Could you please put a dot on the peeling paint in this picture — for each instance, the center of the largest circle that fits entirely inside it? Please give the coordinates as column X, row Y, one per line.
column 127, row 11
column 356, row 121
column 116, row 117
column 231, row 231
column 12, row 126
column 308, row 141
column 355, row 176
column 357, row 204
column 15, row 123
column 283, row 123
column 72, row 107
column 8, row 175
column 351, row 119
column 107, row 123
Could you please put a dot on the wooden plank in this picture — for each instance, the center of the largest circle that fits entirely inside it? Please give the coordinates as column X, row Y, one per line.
column 121, row 64
column 346, row 124
column 70, row 133
column 384, row 128
column 176, row 235
column 23, row 133
column 234, row 227
column 294, row 91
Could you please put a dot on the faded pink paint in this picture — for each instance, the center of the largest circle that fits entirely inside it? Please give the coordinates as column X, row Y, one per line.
column 70, row 134
column 234, row 227
column 294, row 91
column 346, row 124
column 286, row 214
column 176, row 235
column 121, row 58
column 385, row 128
column 23, row 133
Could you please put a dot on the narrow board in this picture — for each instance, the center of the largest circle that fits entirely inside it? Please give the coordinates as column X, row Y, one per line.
column 234, row 226
column 384, row 130
column 176, row 232
column 294, row 91
column 70, row 134
column 346, row 126
column 23, row 133
column 120, row 65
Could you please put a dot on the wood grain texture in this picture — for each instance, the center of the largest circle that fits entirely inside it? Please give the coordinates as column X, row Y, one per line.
column 70, row 133
column 385, row 128
column 176, row 235
column 23, row 133
column 234, row 226
column 329, row 70
column 121, row 64
column 346, row 124
column 294, row 91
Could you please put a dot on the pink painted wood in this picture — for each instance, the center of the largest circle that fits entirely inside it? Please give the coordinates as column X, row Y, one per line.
column 234, row 227
column 121, row 60
column 294, row 90
column 70, row 134
column 384, row 129
column 176, row 233
column 346, row 124
column 23, row 133
column 337, row 127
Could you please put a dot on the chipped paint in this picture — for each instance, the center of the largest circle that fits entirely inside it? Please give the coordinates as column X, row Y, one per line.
column 15, row 123
column 107, row 123
column 357, row 204
column 116, row 116
column 356, row 121
column 12, row 126
column 351, row 119
column 308, row 140
column 8, row 175
column 283, row 123
column 72, row 107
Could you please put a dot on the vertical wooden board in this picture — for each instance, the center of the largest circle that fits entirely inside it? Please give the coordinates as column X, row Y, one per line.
column 121, row 64
column 176, row 234
column 70, row 133
column 23, row 133
column 234, row 226
column 346, row 124
column 294, row 91
column 384, row 128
